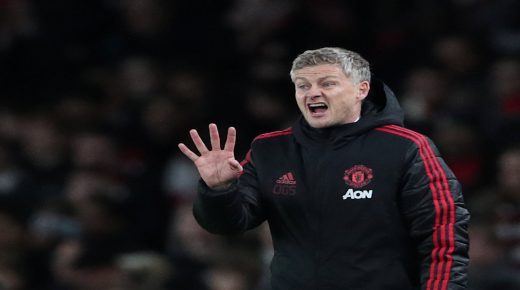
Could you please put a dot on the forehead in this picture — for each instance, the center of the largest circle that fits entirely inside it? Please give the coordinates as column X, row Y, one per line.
column 319, row 71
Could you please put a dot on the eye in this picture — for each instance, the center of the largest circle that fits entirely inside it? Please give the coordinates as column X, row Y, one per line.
column 328, row 84
column 302, row 86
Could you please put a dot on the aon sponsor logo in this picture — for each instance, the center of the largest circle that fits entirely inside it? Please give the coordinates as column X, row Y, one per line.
column 357, row 194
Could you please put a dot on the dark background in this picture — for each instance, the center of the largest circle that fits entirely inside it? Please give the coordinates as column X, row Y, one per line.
column 95, row 95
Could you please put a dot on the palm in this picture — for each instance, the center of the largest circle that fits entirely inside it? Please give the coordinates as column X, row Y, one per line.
column 214, row 168
column 217, row 167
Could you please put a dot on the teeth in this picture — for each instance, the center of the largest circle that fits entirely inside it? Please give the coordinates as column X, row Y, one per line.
column 317, row 105
column 313, row 107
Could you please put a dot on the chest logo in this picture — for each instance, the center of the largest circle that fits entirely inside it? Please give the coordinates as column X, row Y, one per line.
column 285, row 185
column 357, row 194
column 358, row 176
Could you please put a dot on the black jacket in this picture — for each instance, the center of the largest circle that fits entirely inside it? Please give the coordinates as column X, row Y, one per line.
column 367, row 205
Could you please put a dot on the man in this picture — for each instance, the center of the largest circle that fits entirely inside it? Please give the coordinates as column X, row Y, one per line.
column 353, row 199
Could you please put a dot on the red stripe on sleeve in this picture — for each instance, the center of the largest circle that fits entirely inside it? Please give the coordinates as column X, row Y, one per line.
column 287, row 131
column 447, row 201
column 450, row 215
column 444, row 211
column 246, row 160
column 433, row 188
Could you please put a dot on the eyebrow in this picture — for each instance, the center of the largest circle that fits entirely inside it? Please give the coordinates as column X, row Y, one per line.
column 326, row 77
column 320, row 79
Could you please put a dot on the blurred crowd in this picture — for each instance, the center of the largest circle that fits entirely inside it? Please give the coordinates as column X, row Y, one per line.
column 96, row 94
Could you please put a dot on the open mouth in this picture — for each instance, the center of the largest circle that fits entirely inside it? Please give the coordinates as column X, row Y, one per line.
column 317, row 108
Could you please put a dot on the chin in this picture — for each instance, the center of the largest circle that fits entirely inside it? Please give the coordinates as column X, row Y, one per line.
column 318, row 124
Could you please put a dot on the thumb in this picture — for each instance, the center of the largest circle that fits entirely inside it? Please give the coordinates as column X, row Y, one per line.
column 235, row 165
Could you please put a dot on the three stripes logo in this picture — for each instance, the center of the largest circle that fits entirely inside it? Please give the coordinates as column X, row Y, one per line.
column 287, row 178
column 285, row 185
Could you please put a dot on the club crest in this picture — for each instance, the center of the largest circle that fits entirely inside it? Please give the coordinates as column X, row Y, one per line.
column 358, row 176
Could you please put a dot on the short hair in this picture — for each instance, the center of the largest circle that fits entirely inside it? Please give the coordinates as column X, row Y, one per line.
column 352, row 64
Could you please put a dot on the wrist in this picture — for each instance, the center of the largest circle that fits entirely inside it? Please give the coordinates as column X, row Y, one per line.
column 221, row 187
column 215, row 191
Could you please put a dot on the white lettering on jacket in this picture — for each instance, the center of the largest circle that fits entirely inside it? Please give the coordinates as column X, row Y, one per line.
column 357, row 194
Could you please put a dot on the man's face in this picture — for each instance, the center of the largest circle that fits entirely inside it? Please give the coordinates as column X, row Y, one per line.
column 327, row 97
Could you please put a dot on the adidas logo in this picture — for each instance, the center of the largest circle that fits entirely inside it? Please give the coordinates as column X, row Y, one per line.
column 285, row 185
column 287, row 178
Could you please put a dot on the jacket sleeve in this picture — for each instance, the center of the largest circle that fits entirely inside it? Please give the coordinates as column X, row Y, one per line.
column 234, row 210
column 437, row 219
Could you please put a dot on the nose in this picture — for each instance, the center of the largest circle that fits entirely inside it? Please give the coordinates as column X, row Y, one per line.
column 313, row 93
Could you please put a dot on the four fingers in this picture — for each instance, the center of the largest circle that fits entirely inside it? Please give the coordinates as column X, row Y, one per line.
column 198, row 141
column 214, row 137
column 231, row 139
column 190, row 154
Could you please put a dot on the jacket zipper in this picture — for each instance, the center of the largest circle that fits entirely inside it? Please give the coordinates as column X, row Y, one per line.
column 319, row 203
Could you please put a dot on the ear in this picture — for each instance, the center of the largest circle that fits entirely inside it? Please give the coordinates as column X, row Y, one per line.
column 363, row 89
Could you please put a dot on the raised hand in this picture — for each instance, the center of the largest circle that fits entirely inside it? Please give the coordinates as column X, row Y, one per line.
column 217, row 167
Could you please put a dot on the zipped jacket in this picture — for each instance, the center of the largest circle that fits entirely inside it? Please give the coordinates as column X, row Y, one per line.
column 368, row 205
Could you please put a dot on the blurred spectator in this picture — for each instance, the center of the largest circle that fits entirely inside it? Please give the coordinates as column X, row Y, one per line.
column 89, row 261
column 191, row 247
column 423, row 95
column 68, row 275
column 10, row 175
column 12, row 249
column 188, row 88
column 237, row 265
column 507, row 211
column 266, row 254
column 506, row 86
column 11, row 279
column 77, row 113
column 10, row 125
column 145, row 271
column 16, row 268
column 42, row 143
column 489, row 269
column 44, row 158
column 228, row 277
column 501, row 204
column 137, row 79
column 328, row 23
column 504, row 109
column 94, row 151
column 162, row 118
column 462, row 151
column 180, row 179
column 458, row 58
column 265, row 109
column 258, row 21
column 48, row 226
